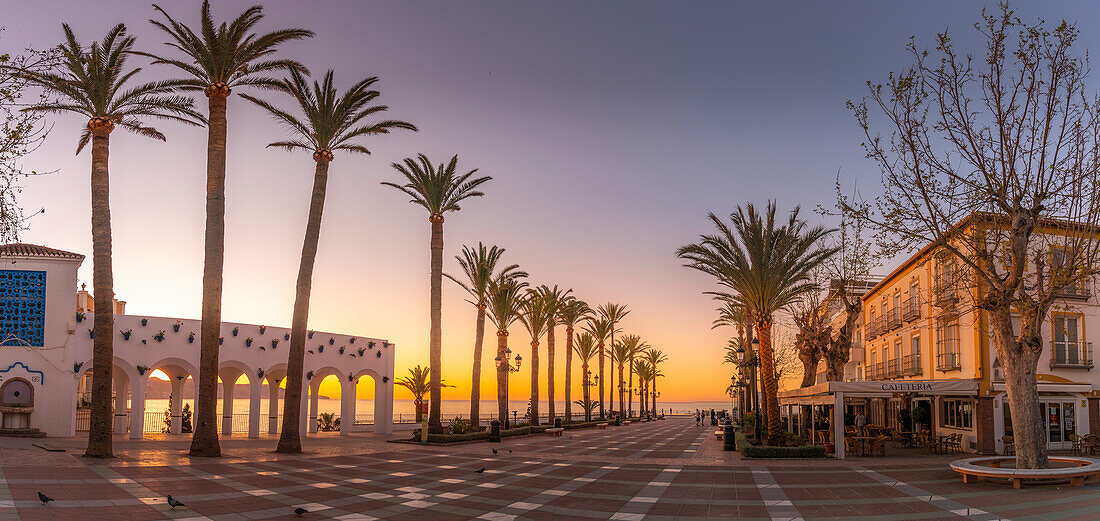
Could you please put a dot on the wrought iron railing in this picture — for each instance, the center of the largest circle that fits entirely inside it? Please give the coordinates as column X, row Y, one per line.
column 1070, row 355
column 910, row 309
column 892, row 370
column 910, row 365
column 893, row 319
column 947, row 355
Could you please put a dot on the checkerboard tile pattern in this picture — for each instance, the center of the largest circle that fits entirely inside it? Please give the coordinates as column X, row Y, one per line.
column 440, row 484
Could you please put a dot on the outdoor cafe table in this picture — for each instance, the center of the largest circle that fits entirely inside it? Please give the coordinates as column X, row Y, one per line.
column 864, row 442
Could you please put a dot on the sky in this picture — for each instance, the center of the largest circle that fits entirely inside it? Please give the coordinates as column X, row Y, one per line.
column 610, row 130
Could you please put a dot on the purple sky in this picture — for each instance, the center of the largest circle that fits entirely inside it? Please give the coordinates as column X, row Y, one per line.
column 610, row 128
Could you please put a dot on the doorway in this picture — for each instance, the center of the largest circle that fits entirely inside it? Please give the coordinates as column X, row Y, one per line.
column 1060, row 422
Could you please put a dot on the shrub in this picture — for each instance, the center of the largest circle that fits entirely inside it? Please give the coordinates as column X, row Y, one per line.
column 459, row 426
column 749, row 450
column 794, row 440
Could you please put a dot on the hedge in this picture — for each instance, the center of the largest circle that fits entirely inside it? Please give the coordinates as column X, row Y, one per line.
column 505, row 433
column 748, row 450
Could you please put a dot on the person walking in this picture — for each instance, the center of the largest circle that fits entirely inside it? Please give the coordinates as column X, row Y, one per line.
column 861, row 421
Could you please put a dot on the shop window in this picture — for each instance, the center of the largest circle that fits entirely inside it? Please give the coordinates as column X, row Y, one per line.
column 957, row 413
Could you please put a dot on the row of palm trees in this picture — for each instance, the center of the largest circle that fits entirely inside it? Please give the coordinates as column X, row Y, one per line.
column 96, row 83
column 501, row 294
column 762, row 265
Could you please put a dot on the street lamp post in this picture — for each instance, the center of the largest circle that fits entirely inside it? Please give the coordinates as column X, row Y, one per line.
column 504, row 365
column 587, row 382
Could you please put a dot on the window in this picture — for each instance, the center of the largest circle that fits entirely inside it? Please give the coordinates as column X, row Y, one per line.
column 22, row 307
column 946, row 280
column 947, row 345
column 957, row 413
column 1067, row 334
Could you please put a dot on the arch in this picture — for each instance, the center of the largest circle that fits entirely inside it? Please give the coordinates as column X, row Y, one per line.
column 238, row 365
column 173, row 362
column 119, row 363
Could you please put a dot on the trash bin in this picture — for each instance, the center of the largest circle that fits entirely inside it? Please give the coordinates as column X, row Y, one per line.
column 494, row 431
column 557, row 423
column 618, row 421
column 728, row 437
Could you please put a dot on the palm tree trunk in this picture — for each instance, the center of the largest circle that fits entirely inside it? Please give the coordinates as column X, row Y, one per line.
column 435, row 346
column 611, row 383
column 289, row 440
column 622, row 390
column 502, row 377
column 568, row 372
column 475, row 385
column 204, row 441
column 534, row 417
column 586, row 392
column 602, row 379
column 653, row 395
column 630, row 385
column 767, row 375
column 550, row 372
column 100, row 443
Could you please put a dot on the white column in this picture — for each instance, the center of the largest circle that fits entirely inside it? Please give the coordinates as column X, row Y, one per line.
column 303, row 424
column 137, row 409
column 177, row 405
column 347, row 412
column 122, row 384
column 254, row 386
column 838, row 424
column 314, row 398
column 227, row 408
column 272, row 407
column 383, row 407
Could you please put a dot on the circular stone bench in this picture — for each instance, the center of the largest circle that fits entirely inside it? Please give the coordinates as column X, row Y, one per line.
column 989, row 467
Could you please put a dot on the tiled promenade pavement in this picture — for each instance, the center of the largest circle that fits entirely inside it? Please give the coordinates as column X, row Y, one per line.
column 641, row 471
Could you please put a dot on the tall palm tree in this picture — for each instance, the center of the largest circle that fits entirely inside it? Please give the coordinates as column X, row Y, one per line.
column 553, row 298
column 506, row 298
column 619, row 354
column 331, row 122
column 418, row 384
column 654, row 358
column 437, row 189
column 614, row 313
column 92, row 83
column 600, row 329
column 767, row 266
column 571, row 311
column 586, row 348
column 216, row 59
column 632, row 345
column 535, row 315
column 480, row 268
column 642, row 368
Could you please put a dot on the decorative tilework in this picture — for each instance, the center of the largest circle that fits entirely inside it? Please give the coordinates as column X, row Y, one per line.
column 22, row 307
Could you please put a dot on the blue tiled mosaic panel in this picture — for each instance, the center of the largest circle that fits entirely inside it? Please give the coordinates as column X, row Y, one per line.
column 22, row 307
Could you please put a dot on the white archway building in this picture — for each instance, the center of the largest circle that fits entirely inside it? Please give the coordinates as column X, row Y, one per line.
column 44, row 341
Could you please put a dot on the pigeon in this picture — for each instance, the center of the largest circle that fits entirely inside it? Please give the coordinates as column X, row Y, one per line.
column 494, row 451
column 509, row 451
column 480, row 470
column 174, row 503
column 299, row 511
column 44, row 498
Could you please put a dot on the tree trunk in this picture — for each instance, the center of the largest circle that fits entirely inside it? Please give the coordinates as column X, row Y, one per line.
column 1019, row 361
column 502, row 377
column 809, row 358
column 622, row 408
column 534, row 413
column 435, row 347
column 568, row 372
column 290, row 440
column 630, row 386
column 100, row 441
column 204, row 441
column 653, row 395
column 586, row 392
column 602, row 412
column 475, row 385
column 611, row 383
column 550, row 372
column 763, row 325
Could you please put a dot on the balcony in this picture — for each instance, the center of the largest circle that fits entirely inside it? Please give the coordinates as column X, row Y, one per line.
column 910, row 365
column 892, row 370
column 1071, row 355
column 947, row 355
column 869, row 330
column 893, row 319
column 946, row 294
column 1075, row 291
column 910, row 309
column 880, row 325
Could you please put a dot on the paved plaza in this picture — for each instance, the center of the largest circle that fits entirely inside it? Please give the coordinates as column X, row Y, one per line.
column 669, row 469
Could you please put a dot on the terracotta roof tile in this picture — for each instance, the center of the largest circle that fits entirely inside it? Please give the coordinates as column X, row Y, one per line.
column 34, row 250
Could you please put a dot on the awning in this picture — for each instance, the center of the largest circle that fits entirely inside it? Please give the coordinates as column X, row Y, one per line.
column 819, row 394
column 1053, row 387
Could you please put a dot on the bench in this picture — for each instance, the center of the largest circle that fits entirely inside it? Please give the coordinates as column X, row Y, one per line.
column 626, row 422
column 989, row 467
column 601, row 426
column 555, row 431
column 719, row 434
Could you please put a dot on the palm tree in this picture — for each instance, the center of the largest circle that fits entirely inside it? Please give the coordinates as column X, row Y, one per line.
column 767, row 266
column 628, row 347
column 92, row 83
column 586, row 347
column 332, row 122
column 614, row 313
column 571, row 311
column 216, row 59
column 506, row 298
column 553, row 298
column 600, row 329
column 418, row 384
column 642, row 368
column 535, row 315
column 654, row 358
column 619, row 354
column 437, row 189
column 480, row 268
